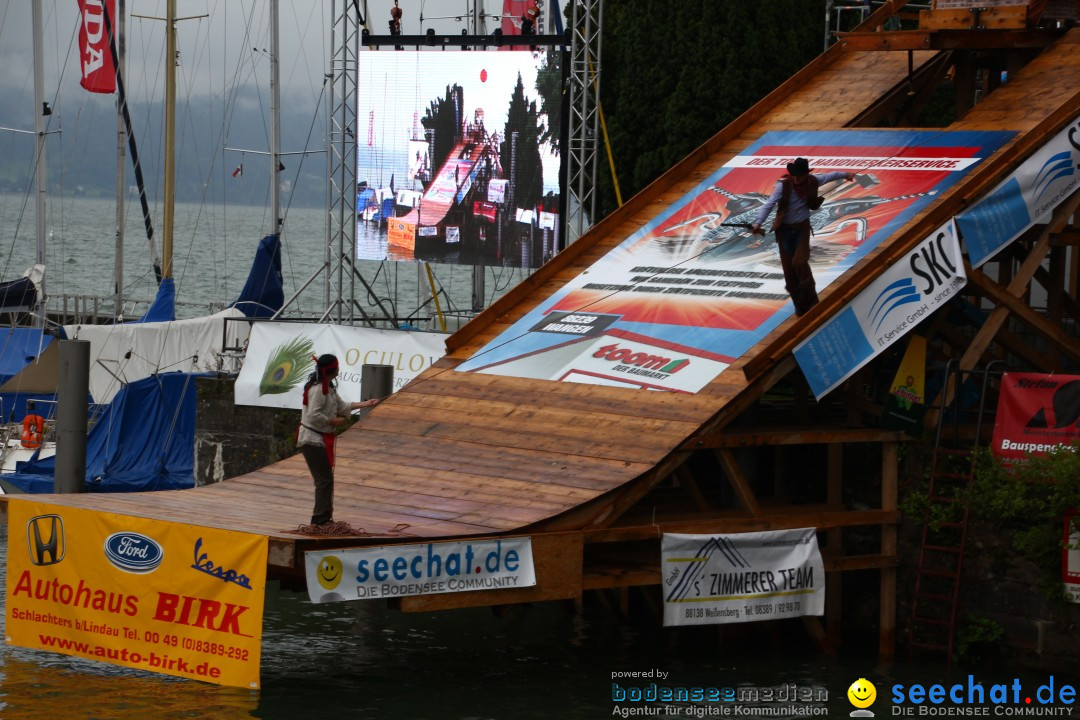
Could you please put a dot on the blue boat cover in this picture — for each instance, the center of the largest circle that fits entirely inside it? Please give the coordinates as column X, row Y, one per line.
column 145, row 440
column 264, row 293
column 163, row 308
column 18, row 348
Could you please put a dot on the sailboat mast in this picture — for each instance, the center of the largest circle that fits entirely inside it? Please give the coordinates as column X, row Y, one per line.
column 275, row 122
column 121, row 138
column 170, row 140
column 39, row 147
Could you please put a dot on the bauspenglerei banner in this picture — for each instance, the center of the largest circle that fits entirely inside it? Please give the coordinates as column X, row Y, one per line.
column 887, row 310
column 676, row 302
column 1028, row 196
column 741, row 577
column 1036, row 414
column 169, row 598
column 280, row 358
column 426, row 569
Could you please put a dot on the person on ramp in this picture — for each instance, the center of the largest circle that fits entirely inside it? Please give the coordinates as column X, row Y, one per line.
column 795, row 197
column 323, row 411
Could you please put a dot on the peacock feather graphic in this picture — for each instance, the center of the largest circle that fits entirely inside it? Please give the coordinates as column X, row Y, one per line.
column 289, row 363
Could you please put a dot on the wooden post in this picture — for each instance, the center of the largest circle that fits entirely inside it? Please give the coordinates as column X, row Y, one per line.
column 834, row 581
column 887, row 601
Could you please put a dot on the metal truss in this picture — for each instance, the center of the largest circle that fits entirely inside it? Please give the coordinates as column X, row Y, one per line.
column 583, row 132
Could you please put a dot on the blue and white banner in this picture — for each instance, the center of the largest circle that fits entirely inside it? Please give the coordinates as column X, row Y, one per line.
column 898, row 300
column 1026, row 197
column 742, row 577
column 427, row 569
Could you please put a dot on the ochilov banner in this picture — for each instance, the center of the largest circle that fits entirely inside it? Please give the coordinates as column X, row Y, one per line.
column 280, row 358
column 427, row 569
column 742, row 577
column 165, row 597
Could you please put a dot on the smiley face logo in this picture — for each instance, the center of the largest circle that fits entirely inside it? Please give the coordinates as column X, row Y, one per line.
column 329, row 572
column 862, row 694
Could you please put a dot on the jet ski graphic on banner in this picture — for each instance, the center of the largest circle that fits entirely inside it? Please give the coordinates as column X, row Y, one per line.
column 693, row 283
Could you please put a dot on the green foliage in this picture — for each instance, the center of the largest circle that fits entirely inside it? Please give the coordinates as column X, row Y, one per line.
column 443, row 116
column 1028, row 501
column 549, row 85
column 526, row 167
column 976, row 636
column 674, row 74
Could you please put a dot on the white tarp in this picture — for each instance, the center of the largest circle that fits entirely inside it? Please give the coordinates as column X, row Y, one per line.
column 122, row 354
column 279, row 359
column 741, row 577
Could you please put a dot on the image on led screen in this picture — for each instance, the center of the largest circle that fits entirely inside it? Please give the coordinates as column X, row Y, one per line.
column 457, row 156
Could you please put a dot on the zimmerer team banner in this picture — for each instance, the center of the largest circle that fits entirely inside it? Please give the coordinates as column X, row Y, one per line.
column 887, row 310
column 676, row 302
column 279, row 359
column 169, row 598
column 742, row 577
column 427, row 569
column 1028, row 196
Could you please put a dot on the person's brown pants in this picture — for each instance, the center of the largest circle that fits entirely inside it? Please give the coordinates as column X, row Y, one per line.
column 318, row 463
column 794, row 244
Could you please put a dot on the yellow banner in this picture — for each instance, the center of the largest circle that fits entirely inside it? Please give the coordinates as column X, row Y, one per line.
column 174, row 599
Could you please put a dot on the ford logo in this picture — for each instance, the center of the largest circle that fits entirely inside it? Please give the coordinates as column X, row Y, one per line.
column 133, row 552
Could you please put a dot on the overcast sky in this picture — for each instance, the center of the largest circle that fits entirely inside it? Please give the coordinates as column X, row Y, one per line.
column 224, row 45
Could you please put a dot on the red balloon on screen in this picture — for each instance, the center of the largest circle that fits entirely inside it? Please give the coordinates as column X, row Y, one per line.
column 483, row 76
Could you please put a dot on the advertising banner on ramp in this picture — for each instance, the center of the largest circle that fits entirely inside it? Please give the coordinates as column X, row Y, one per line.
column 691, row 290
column 280, row 356
column 888, row 309
column 175, row 599
column 742, row 577
column 1028, row 196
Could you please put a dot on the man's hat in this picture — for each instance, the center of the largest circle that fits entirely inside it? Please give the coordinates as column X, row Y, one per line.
column 801, row 166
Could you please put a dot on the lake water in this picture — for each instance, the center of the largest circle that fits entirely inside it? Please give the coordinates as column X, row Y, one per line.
column 362, row 660
column 214, row 246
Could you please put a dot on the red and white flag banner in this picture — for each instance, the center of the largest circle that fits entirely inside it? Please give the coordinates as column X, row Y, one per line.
column 95, row 58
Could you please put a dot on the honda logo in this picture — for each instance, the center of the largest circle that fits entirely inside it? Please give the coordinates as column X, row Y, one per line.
column 45, row 539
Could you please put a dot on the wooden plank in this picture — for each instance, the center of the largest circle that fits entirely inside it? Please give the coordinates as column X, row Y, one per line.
column 754, row 437
column 557, row 562
column 889, row 546
column 730, row 522
column 738, row 482
column 1012, row 17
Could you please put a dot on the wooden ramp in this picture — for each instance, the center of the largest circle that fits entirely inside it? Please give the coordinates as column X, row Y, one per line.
column 457, row 454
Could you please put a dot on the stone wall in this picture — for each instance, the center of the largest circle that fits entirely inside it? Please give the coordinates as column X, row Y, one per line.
column 232, row 439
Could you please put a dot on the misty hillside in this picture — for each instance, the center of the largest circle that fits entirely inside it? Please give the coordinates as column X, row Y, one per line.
column 81, row 157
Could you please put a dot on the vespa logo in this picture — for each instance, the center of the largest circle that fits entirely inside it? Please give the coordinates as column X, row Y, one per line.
column 45, row 539
column 133, row 553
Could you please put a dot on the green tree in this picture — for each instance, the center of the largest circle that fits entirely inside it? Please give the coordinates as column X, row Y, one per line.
column 550, row 87
column 444, row 117
column 674, row 74
column 521, row 142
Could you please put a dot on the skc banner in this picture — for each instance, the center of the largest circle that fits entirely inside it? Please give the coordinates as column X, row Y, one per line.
column 279, row 359
column 428, row 569
column 1036, row 414
column 691, row 284
column 174, row 599
column 1026, row 197
column 711, row 579
column 95, row 57
column 898, row 300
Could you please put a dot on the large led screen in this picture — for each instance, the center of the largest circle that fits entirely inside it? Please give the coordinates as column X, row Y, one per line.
column 457, row 156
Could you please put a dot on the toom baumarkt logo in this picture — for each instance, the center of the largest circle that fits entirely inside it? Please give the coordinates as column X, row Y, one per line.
column 973, row 697
column 133, row 553
column 640, row 363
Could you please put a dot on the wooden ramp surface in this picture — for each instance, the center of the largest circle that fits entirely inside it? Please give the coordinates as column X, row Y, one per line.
column 456, row 454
